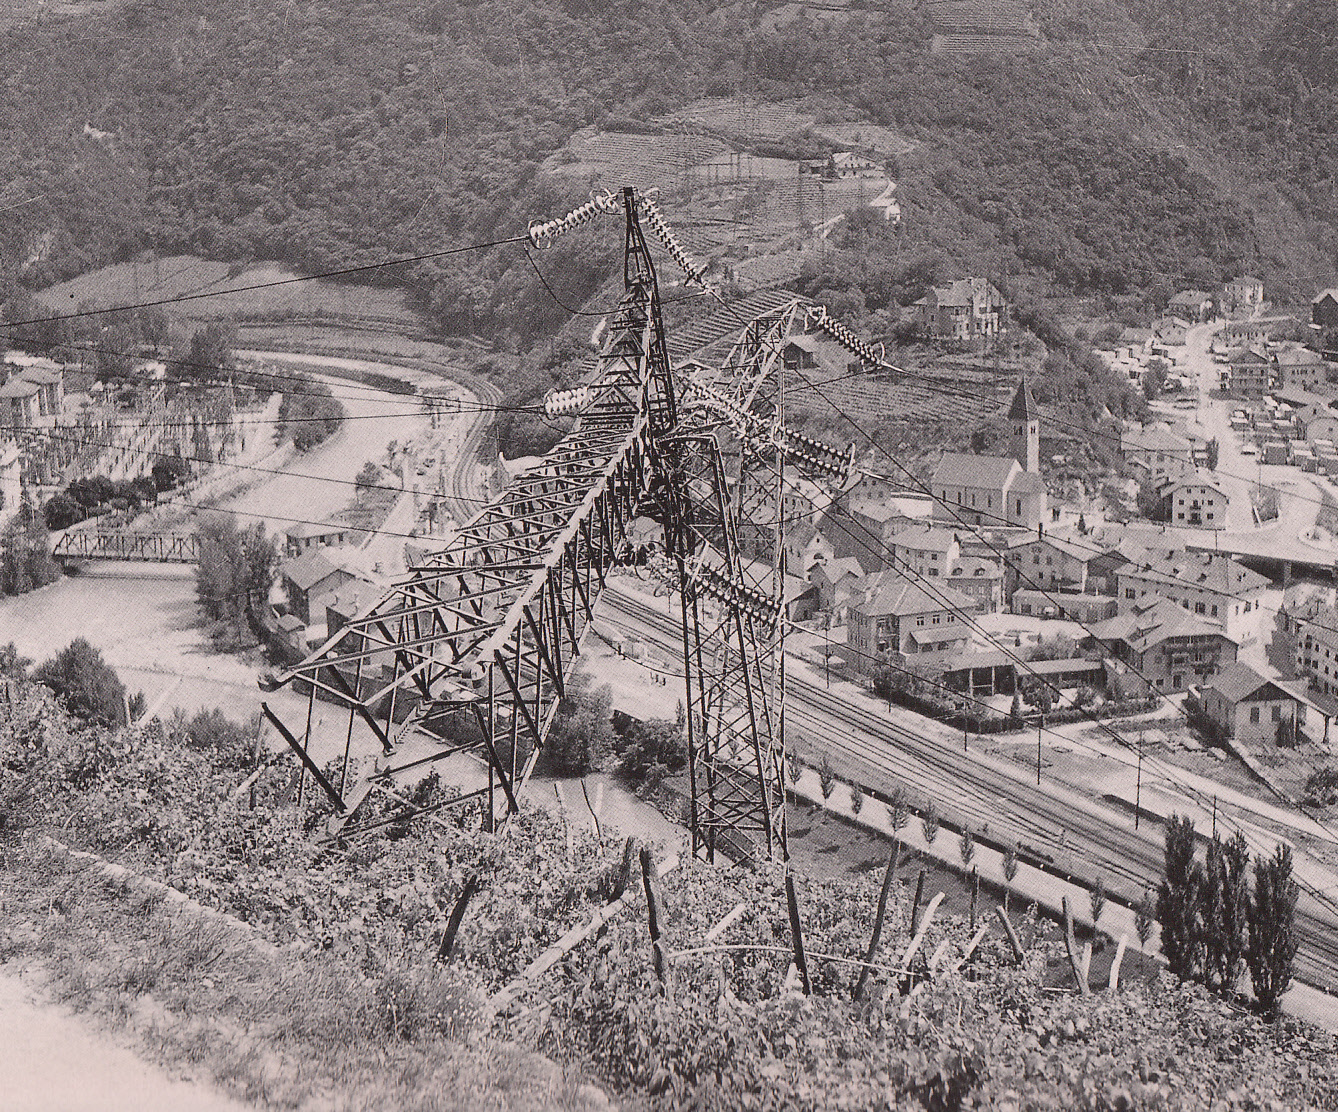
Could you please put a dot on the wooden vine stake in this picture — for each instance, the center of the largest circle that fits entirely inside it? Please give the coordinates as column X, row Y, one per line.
column 797, row 934
column 457, row 917
column 653, row 916
column 1011, row 933
column 915, row 904
column 1071, row 945
column 1115, row 965
column 888, row 874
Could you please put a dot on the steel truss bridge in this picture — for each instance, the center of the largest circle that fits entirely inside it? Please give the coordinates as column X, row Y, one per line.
column 473, row 650
column 164, row 548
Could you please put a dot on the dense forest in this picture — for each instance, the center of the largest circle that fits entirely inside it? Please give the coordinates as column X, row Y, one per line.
column 1147, row 146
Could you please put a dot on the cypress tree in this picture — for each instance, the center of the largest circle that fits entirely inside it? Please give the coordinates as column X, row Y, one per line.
column 1177, row 900
column 1272, row 929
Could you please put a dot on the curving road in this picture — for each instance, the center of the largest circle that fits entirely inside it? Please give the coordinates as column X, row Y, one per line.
column 996, row 797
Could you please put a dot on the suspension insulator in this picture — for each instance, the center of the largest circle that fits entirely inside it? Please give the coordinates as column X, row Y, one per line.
column 542, row 233
column 563, row 403
column 694, row 272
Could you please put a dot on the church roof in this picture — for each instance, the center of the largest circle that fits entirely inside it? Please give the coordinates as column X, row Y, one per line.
column 989, row 472
column 1024, row 405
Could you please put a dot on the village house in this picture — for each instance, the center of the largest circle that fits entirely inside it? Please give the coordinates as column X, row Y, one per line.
column 963, row 310
column 996, row 490
column 306, row 535
column 19, row 404
column 1212, row 586
column 1048, row 563
column 1245, row 292
column 1086, row 608
column 1169, row 332
column 925, row 550
column 1194, row 306
column 899, row 619
column 863, row 530
column 1244, row 333
column 306, row 579
column 1251, row 373
column 1159, row 646
column 1249, row 707
column 804, row 546
column 1157, row 451
column 1298, row 368
column 1198, row 499
column 981, row 580
column 839, row 582
column 1314, row 628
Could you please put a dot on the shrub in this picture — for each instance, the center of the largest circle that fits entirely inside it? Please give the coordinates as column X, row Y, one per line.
column 1321, row 787
column 86, row 683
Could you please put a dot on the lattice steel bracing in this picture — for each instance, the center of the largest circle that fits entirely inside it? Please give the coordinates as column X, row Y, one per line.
column 733, row 606
column 471, row 651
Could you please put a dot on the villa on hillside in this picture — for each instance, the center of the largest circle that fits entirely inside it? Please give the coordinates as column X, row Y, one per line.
column 963, row 310
column 1194, row 306
column 1245, row 292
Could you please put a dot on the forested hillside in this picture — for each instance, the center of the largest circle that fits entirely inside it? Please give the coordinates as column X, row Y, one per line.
column 1117, row 161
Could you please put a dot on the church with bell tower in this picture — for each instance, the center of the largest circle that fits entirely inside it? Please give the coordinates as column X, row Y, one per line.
column 997, row 491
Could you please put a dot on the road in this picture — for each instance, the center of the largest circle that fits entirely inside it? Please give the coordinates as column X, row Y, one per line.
column 997, row 797
column 1299, row 495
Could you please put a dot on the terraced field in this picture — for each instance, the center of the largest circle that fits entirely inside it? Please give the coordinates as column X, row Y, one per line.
column 186, row 276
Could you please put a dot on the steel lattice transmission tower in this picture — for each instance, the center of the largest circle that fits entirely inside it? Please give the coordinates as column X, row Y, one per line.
column 472, row 650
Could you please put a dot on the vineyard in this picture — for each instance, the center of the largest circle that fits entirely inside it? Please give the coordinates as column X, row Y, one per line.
column 160, row 278
column 371, row 949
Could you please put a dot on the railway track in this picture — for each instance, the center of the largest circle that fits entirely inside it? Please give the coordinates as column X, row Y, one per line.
column 999, row 802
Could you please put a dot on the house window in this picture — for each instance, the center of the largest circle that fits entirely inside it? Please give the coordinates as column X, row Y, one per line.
column 1254, row 715
column 935, row 619
column 1277, row 713
column 1198, row 608
column 920, row 620
column 1129, row 592
column 1214, row 611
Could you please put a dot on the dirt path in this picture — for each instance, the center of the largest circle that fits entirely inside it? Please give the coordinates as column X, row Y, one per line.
column 53, row 1061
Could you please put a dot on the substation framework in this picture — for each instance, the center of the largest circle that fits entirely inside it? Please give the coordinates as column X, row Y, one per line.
column 472, row 651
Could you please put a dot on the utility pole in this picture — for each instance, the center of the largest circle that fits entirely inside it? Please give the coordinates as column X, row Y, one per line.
column 1040, row 725
column 1138, row 784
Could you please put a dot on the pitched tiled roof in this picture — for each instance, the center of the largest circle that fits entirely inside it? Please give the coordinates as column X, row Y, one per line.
column 308, row 569
column 1205, row 570
column 1238, row 681
column 957, row 469
column 893, row 593
column 1142, row 629
column 1197, row 478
